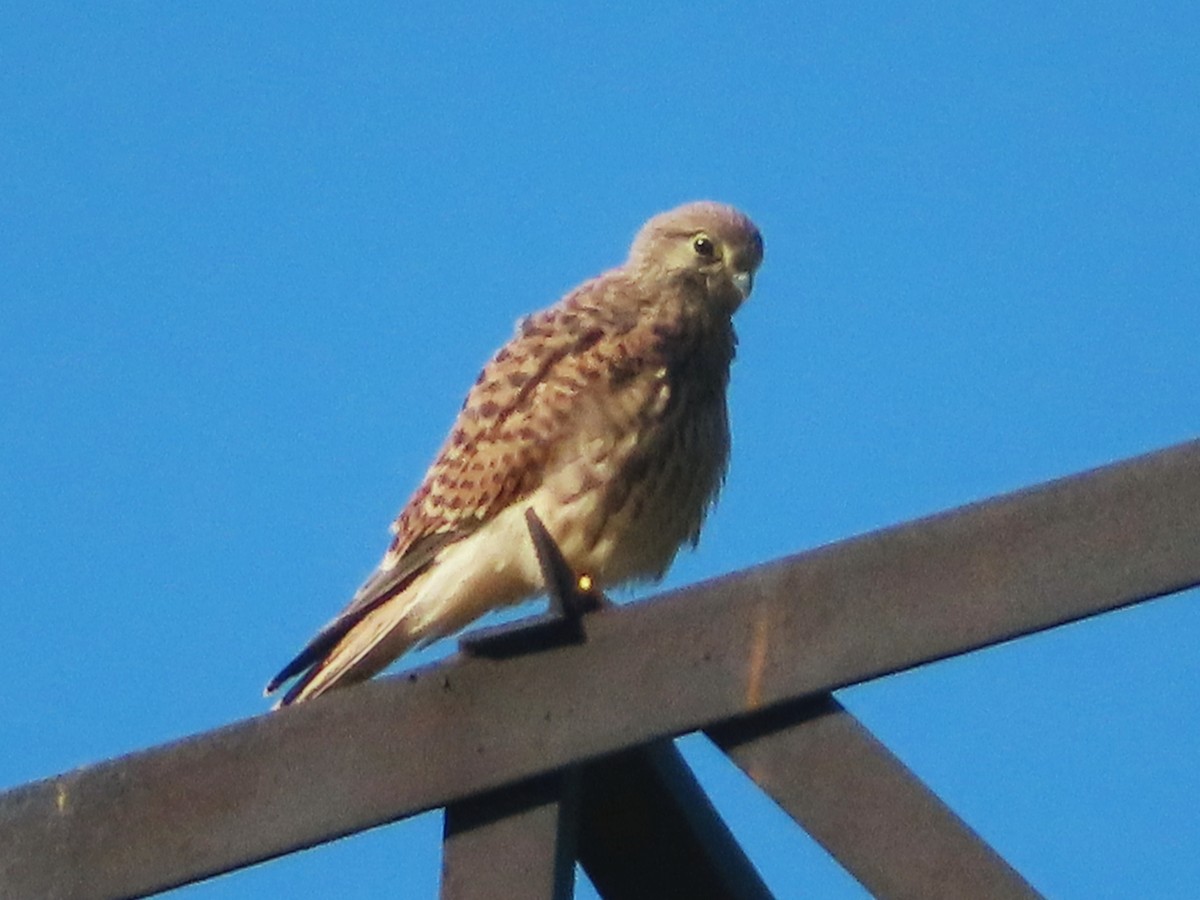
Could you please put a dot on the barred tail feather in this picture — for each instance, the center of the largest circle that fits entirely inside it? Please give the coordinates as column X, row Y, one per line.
column 364, row 649
column 466, row 579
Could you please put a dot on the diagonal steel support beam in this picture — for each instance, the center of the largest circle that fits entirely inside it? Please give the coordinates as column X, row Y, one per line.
column 513, row 843
column 648, row 830
column 864, row 806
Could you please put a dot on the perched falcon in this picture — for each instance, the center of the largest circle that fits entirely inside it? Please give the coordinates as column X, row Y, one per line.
column 605, row 414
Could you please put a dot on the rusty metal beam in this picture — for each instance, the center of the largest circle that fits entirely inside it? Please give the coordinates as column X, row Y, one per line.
column 803, row 625
column 864, row 806
column 650, row 830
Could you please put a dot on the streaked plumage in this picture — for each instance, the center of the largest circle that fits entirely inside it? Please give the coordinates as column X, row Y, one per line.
column 605, row 413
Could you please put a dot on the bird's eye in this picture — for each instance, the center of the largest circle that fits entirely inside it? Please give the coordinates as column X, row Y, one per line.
column 704, row 246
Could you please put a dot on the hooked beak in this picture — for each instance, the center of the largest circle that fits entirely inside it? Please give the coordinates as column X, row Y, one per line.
column 743, row 283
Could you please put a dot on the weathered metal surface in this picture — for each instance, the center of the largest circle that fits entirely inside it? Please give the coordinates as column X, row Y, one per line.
column 513, row 843
column 647, row 830
column 807, row 624
column 864, row 806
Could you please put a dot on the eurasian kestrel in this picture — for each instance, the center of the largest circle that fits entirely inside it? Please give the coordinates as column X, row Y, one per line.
column 605, row 414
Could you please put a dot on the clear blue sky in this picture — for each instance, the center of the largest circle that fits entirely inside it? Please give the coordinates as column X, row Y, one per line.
column 252, row 258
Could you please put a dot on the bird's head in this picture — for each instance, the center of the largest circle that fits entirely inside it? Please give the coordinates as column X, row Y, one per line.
column 710, row 243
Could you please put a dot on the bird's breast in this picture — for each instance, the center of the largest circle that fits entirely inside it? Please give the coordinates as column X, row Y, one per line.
column 637, row 481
